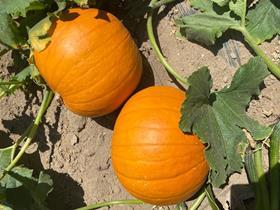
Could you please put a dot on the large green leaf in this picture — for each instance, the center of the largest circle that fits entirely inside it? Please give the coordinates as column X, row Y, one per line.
column 221, row 2
column 205, row 27
column 264, row 20
column 5, row 157
column 219, row 117
column 238, row 7
column 9, row 33
column 204, row 6
column 18, row 7
column 10, row 182
column 24, row 192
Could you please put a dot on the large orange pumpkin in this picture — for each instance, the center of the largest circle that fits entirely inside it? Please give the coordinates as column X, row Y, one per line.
column 153, row 159
column 91, row 61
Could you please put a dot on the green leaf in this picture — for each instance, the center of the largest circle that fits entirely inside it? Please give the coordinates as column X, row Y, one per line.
column 219, row 117
column 5, row 157
column 81, row 2
column 17, row 7
column 263, row 21
column 237, row 6
column 205, row 27
column 211, row 198
column 44, row 186
column 21, row 191
column 38, row 35
column 204, row 6
column 10, row 182
column 221, row 2
column 38, row 189
column 9, row 33
column 18, row 81
column 23, row 75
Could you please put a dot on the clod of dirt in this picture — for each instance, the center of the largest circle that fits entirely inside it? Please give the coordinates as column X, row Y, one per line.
column 80, row 122
column 73, row 138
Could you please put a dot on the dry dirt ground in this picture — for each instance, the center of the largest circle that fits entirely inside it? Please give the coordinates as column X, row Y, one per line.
column 75, row 150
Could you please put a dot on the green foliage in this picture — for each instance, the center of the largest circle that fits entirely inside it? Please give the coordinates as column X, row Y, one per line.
column 211, row 198
column 9, row 33
column 219, row 117
column 24, row 192
column 81, row 2
column 38, row 35
column 19, row 7
column 261, row 22
column 8, row 87
column 205, row 27
column 18, row 189
column 202, row 5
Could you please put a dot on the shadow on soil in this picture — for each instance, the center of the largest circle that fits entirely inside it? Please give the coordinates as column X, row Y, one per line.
column 67, row 193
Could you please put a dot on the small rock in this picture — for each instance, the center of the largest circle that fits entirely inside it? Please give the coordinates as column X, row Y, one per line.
column 225, row 79
column 80, row 180
column 74, row 139
column 233, row 55
column 59, row 164
column 267, row 112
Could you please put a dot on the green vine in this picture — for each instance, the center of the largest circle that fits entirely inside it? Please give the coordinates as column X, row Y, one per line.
column 30, row 132
column 154, row 45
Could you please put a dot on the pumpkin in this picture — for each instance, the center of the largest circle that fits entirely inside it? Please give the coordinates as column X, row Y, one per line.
column 153, row 159
column 92, row 62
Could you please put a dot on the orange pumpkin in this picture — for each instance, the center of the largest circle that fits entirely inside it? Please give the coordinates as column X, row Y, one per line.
column 91, row 61
column 153, row 159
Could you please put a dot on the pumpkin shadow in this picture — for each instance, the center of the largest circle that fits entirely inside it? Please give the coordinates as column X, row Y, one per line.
column 147, row 80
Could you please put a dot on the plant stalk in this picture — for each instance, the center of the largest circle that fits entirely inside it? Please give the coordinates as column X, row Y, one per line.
column 251, row 172
column 48, row 96
column 274, row 168
column 181, row 206
column 244, row 11
column 262, row 183
column 153, row 42
column 110, row 203
column 198, row 201
column 250, row 40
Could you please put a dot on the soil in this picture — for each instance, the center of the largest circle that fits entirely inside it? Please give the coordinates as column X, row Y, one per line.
column 75, row 150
